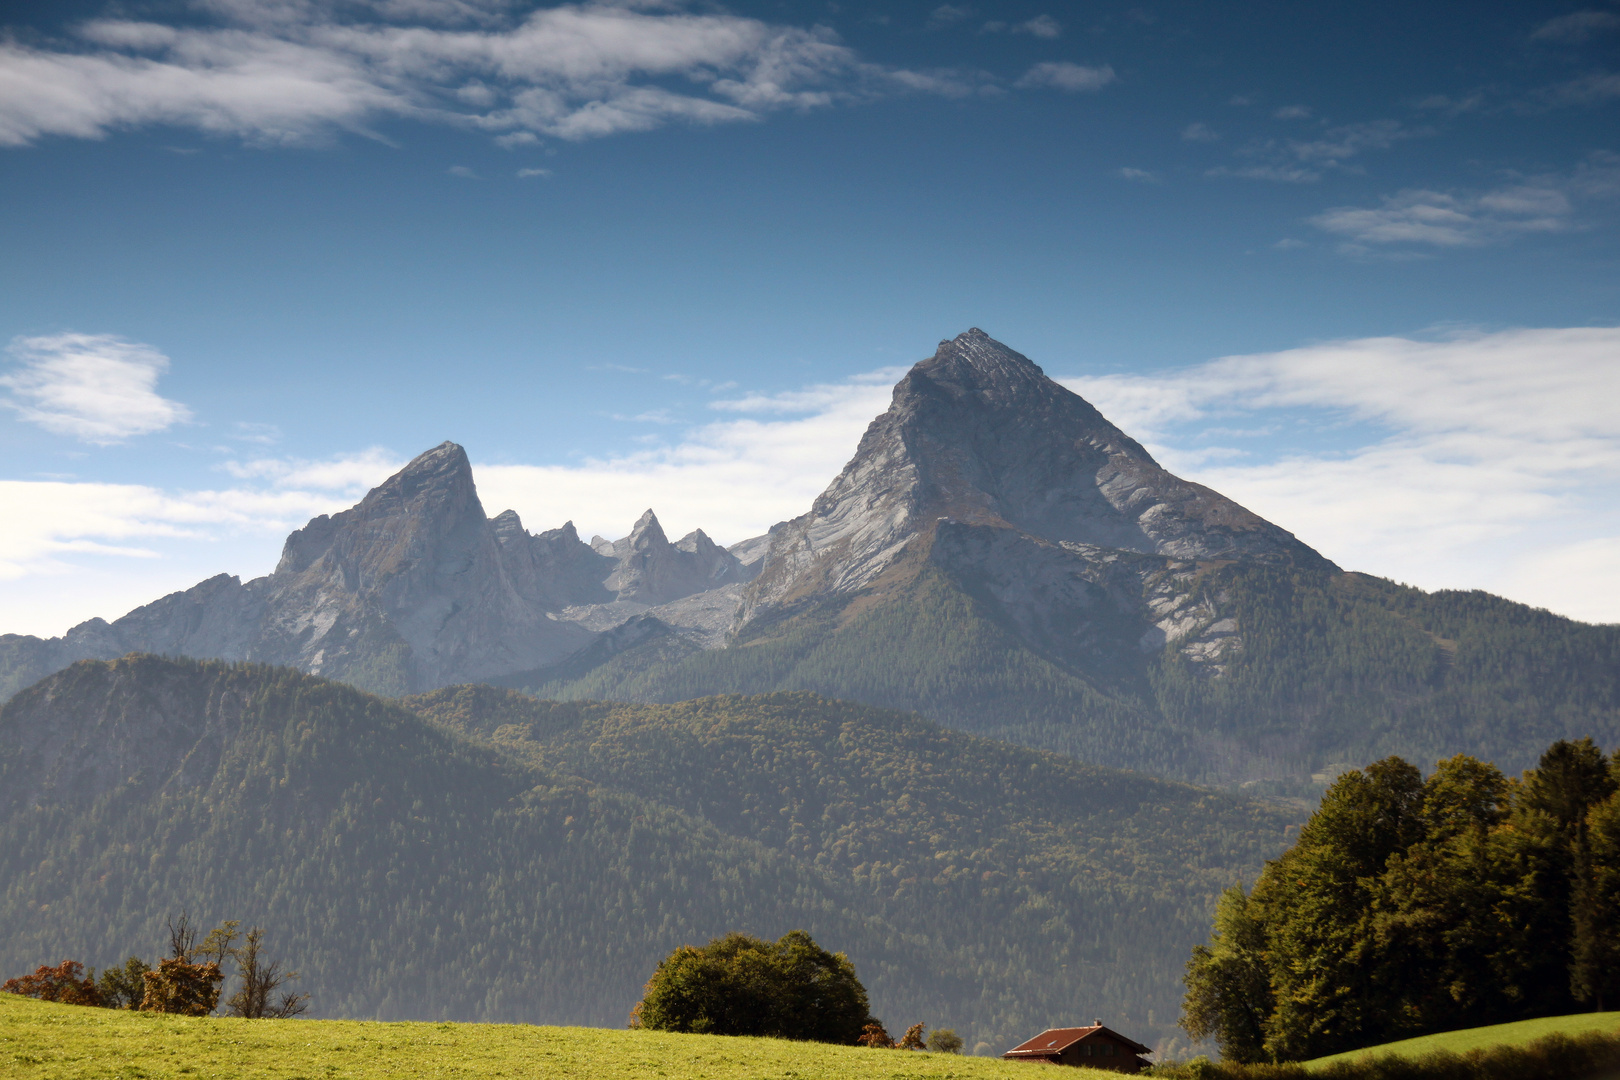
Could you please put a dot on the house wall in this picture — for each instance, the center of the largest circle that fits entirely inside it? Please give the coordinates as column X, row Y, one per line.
column 1100, row 1052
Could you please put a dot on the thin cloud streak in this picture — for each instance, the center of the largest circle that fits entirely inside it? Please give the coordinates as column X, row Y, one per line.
column 1447, row 219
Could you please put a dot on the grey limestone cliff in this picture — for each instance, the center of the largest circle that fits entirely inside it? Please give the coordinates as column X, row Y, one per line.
column 1025, row 493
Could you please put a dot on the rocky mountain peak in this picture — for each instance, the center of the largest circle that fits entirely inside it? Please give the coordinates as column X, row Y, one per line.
column 647, row 534
column 508, row 528
column 978, row 434
column 437, row 477
column 976, row 364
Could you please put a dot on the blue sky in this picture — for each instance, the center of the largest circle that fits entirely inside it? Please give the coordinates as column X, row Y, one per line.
column 255, row 253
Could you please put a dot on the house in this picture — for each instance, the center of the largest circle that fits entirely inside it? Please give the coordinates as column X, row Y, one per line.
column 1095, row 1047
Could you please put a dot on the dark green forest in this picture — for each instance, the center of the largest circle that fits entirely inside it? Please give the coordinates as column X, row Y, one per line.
column 1334, row 669
column 1410, row 906
column 481, row 855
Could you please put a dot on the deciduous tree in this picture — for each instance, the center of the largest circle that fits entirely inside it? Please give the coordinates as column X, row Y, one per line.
column 741, row 985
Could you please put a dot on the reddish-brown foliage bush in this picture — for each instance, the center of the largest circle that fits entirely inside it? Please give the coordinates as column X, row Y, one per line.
column 66, row 983
column 874, row 1036
column 181, row 987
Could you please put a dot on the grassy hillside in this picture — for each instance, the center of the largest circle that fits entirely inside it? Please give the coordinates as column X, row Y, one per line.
column 503, row 859
column 1334, row 669
column 45, row 1041
column 1481, row 1038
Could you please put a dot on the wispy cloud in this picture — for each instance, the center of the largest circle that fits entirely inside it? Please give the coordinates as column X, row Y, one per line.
column 1041, row 26
column 347, row 474
column 1576, row 27
column 1142, row 176
column 948, row 15
column 1292, row 112
column 1589, row 89
column 1066, row 76
column 97, row 388
column 284, row 73
column 1421, row 218
column 1303, row 161
column 1199, row 132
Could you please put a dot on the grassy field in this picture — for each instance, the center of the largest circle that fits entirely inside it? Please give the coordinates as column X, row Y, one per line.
column 1459, row 1042
column 41, row 1041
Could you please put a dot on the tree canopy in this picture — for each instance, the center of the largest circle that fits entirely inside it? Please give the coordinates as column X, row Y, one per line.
column 791, row 988
column 1412, row 905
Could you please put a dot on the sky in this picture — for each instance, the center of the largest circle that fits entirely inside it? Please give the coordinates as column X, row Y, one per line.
column 1354, row 265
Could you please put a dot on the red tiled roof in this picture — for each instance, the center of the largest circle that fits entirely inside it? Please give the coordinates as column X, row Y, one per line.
column 1057, row 1040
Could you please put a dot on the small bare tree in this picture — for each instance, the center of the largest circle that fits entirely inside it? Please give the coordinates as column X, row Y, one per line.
column 182, row 937
column 255, row 998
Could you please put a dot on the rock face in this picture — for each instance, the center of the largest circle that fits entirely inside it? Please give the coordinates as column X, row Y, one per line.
column 415, row 588
column 977, row 434
column 651, row 570
column 1027, row 496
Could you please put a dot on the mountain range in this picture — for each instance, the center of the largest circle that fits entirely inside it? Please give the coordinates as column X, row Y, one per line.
column 996, row 555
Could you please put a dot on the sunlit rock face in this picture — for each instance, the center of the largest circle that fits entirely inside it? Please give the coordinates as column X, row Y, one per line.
column 978, row 438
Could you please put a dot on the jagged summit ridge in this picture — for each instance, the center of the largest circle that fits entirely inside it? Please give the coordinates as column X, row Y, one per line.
column 978, row 434
column 415, row 587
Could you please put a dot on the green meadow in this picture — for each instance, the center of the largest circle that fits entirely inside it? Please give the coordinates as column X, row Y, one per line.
column 1481, row 1038
column 42, row 1041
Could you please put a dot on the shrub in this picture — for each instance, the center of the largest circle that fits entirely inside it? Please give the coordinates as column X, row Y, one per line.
column 178, row 986
column 66, row 983
column 123, row 988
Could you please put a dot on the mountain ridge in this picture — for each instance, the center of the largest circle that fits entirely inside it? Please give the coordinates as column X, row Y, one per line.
column 1128, row 611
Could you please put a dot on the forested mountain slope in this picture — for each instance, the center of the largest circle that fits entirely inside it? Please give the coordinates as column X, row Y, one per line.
column 490, row 857
column 1332, row 669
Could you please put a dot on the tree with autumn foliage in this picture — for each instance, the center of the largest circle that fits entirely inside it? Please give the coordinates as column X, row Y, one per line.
column 181, row 986
column 65, row 984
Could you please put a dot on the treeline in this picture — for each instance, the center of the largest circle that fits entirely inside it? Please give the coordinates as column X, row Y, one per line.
column 1411, row 906
column 188, row 981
